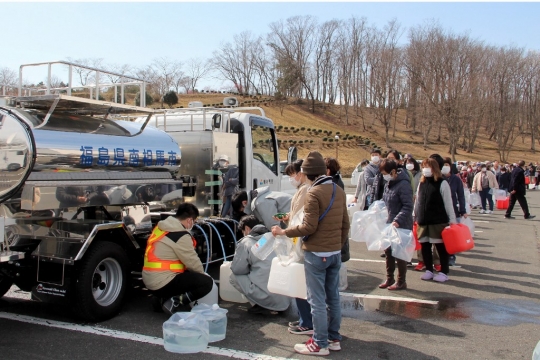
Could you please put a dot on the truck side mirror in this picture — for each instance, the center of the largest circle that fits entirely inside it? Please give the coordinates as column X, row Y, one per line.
column 216, row 121
column 292, row 155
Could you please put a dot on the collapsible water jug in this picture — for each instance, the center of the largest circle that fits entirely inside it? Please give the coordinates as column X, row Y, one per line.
column 503, row 204
column 457, row 238
column 499, row 194
column 287, row 280
column 211, row 298
column 264, row 246
column 536, row 353
column 216, row 318
column 418, row 246
column 186, row 333
column 343, row 282
column 527, row 180
column 227, row 292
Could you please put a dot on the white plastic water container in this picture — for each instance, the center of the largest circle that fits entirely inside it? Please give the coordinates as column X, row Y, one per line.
column 228, row 292
column 536, row 353
column 343, row 283
column 287, row 280
column 186, row 333
column 216, row 318
column 211, row 298
column 264, row 246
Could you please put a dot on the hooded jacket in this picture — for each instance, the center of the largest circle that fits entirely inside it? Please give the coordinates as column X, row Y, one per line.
column 331, row 233
column 398, row 197
column 250, row 274
column 172, row 247
column 268, row 203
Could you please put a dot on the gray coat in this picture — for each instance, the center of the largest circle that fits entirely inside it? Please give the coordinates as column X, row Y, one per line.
column 230, row 180
column 370, row 173
column 250, row 274
column 398, row 197
column 268, row 203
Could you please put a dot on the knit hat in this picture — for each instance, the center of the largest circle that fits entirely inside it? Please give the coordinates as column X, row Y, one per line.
column 314, row 164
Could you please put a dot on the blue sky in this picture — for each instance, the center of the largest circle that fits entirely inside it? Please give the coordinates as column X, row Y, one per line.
column 136, row 33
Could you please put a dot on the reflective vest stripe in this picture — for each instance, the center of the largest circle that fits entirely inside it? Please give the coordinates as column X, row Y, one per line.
column 152, row 262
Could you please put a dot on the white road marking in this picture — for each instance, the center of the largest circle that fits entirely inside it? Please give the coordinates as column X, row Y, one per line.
column 478, row 231
column 390, row 298
column 480, row 221
column 234, row 354
column 368, row 260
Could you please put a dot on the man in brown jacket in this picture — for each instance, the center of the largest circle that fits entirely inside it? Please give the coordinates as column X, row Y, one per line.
column 324, row 230
column 172, row 269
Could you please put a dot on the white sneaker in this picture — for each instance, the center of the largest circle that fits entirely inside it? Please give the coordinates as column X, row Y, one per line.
column 440, row 277
column 428, row 275
column 334, row 345
column 482, row 212
column 311, row 348
column 489, row 211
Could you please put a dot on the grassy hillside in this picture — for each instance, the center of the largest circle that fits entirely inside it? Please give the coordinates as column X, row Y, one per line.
column 309, row 131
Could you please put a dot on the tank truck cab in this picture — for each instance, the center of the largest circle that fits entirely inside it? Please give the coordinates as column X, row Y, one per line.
column 244, row 134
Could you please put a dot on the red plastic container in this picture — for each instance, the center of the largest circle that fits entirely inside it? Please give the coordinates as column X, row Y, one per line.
column 527, row 180
column 415, row 234
column 503, row 204
column 457, row 238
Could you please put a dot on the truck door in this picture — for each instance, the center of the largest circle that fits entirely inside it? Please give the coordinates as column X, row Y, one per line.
column 265, row 155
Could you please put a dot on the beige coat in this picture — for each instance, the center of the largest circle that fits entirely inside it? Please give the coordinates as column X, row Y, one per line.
column 477, row 181
column 167, row 249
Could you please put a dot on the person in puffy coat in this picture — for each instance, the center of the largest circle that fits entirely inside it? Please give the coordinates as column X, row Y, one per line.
column 398, row 197
column 433, row 210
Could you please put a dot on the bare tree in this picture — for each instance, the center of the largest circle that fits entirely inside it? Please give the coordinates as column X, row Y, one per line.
column 196, row 69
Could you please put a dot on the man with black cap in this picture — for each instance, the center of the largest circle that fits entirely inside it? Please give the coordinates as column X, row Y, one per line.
column 172, row 269
column 324, row 231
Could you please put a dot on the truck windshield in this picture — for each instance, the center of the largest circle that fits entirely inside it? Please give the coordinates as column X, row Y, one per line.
column 263, row 147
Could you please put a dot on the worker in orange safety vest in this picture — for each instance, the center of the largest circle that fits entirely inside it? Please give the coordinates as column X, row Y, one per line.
column 172, row 269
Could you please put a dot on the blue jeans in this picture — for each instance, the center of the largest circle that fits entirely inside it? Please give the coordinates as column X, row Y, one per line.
column 304, row 311
column 322, row 279
column 485, row 195
column 226, row 210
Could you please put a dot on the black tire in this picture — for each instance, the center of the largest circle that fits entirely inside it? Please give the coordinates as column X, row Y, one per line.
column 102, row 282
column 5, row 284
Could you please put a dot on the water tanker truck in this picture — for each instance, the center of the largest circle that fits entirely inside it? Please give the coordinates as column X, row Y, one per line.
column 83, row 182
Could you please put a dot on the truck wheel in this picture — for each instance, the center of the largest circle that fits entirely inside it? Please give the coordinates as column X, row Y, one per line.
column 5, row 284
column 102, row 282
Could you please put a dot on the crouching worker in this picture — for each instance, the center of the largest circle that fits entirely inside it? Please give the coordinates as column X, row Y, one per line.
column 172, row 270
column 250, row 274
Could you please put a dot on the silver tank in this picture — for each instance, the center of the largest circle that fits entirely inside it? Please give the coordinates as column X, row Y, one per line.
column 79, row 148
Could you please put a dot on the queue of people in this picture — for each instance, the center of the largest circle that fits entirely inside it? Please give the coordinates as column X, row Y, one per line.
column 430, row 192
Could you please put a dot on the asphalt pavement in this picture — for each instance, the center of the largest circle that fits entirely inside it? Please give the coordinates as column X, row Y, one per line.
column 489, row 309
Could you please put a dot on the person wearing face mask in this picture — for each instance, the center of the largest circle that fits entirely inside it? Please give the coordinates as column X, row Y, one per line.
column 463, row 176
column 250, row 274
column 370, row 173
column 458, row 197
column 398, row 197
column 361, row 188
column 483, row 183
column 414, row 168
column 504, row 179
column 172, row 269
column 433, row 210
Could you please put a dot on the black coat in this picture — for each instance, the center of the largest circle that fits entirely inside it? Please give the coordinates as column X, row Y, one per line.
column 517, row 181
column 504, row 180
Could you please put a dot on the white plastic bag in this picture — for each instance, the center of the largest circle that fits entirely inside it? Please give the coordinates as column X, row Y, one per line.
column 367, row 225
column 402, row 242
column 475, row 199
column 358, row 226
column 469, row 223
column 297, row 219
column 283, row 247
column 499, row 194
column 467, row 201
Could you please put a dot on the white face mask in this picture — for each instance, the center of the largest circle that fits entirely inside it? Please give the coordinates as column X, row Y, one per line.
column 375, row 159
column 484, row 169
column 192, row 224
column 410, row 166
column 222, row 163
column 427, row 172
column 294, row 182
column 445, row 170
column 387, row 177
